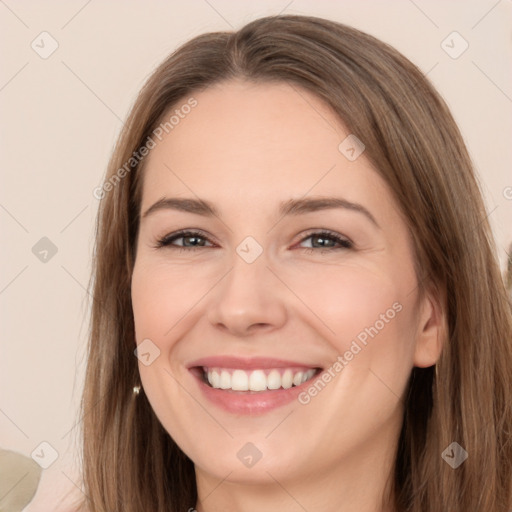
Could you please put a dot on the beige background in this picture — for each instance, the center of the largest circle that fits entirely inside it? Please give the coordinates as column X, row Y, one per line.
column 60, row 117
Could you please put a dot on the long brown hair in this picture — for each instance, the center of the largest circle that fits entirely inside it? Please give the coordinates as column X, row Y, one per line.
column 130, row 463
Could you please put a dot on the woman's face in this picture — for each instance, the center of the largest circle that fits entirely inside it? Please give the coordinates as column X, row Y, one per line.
column 298, row 272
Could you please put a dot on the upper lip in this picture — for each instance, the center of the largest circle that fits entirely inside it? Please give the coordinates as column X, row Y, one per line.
column 247, row 363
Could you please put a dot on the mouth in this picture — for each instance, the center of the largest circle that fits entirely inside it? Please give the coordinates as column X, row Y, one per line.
column 257, row 380
column 251, row 386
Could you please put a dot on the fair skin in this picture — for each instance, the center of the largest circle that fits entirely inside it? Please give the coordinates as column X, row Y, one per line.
column 246, row 148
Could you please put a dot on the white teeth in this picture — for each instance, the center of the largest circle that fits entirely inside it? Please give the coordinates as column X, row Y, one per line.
column 256, row 380
column 239, row 381
column 274, row 380
column 287, row 379
column 225, row 380
column 214, row 378
column 297, row 379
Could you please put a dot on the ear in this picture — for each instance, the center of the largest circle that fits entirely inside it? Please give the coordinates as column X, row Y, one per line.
column 431, row 331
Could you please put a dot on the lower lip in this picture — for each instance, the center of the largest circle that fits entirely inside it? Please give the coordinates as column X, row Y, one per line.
column 251, row 402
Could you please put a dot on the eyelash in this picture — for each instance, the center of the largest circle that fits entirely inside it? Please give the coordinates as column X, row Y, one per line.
column 167, row 241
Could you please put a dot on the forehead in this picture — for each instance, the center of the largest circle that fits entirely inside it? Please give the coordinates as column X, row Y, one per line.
column 259, row 142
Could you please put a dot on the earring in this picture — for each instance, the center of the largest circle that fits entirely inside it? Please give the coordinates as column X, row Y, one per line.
column 136, row 390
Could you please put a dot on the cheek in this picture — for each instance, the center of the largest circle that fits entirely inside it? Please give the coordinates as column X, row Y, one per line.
column 368, row 318
column 366, row 315
column 161, row 296
column 355, row 303
column 159, row 300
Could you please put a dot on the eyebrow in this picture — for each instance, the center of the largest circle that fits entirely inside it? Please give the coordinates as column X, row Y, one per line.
column 290, row 207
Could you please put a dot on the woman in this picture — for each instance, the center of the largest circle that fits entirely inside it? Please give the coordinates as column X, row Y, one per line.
column 292, row 239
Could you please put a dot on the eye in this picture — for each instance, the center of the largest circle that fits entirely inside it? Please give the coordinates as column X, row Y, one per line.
column 326, row 241
column 190, row 240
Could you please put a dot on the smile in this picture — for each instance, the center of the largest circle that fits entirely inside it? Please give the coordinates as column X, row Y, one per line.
column 251, row 386
column 257, row 380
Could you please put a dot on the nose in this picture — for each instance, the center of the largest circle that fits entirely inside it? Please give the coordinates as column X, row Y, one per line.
column 250, row 299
